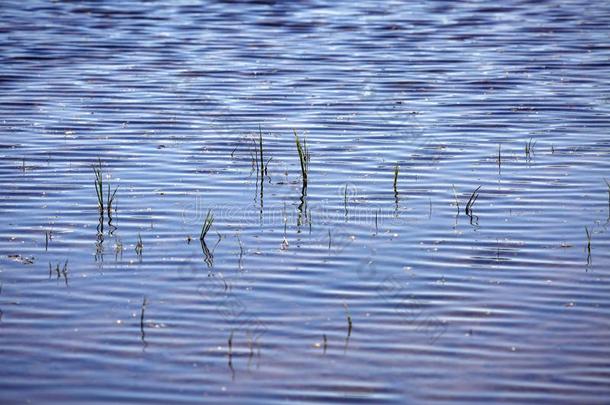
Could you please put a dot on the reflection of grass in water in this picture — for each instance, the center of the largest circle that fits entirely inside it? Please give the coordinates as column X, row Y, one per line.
column 396, row 169
column 349, row 320
column 499, row 157
column 142, row 310
column 208, row 255
column 608, row 184
column 230, row 356
column 60, row 271
column 529, row 148
column 457, row 202
column 345, row 200
column 376, row 223
column 588, row 247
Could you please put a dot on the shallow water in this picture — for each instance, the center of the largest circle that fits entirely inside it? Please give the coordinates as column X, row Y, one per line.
column 502, row 304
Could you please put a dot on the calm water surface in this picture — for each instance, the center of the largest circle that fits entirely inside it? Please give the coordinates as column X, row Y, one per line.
column 503, row 302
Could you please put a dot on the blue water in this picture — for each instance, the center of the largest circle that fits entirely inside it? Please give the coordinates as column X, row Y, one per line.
column 351, row 290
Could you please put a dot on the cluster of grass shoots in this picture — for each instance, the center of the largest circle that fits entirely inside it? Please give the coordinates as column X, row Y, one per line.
column 207, row 224
column 471, row 201
column 304, row 157
column 260, row 147
column 139, row 245
column 103, row 206
column 48, row 236
column 258, row 157
column 529, row 148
